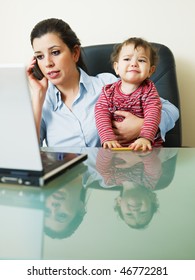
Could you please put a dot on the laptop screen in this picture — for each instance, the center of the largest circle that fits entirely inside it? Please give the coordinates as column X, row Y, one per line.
column 19, row 147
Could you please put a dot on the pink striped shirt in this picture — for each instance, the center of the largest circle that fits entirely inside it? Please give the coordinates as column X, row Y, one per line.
column 144, row 102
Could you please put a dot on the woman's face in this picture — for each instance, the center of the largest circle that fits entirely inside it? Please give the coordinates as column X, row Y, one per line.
column 63, row 205
column 55, row 59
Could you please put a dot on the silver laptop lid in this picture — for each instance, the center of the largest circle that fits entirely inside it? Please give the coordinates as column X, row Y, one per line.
column 19, row 148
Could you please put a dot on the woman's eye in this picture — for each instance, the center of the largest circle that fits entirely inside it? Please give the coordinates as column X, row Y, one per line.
column 47, row 212
column 39, row 57
column 55, row 53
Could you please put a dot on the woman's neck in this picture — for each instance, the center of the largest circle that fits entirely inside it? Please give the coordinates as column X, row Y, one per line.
column 69, row 90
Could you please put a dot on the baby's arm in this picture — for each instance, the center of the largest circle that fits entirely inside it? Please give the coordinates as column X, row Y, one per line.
column 103, row 118
column 141, row 144
column 111, row 144
column 152, row 112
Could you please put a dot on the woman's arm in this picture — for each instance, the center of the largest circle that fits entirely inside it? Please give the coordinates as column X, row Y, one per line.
column 169, row 116
column 103, row 119
column 130, row 127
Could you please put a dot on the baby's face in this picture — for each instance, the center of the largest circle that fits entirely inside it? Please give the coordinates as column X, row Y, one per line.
column 133, row 65
column 136, row 207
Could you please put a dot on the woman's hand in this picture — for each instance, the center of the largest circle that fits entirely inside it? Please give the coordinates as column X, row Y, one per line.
column 38, row 87
column 129, row 128
column 38, row 90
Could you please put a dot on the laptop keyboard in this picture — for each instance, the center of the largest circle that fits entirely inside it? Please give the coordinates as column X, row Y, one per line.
column 51, row 160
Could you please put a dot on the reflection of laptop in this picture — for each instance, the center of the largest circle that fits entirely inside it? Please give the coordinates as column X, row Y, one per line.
column 19, row 238
column 20, row 157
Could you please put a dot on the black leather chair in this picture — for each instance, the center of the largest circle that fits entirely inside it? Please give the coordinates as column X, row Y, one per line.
column 97, row 60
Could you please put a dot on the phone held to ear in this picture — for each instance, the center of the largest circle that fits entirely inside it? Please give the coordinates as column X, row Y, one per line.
column 37, row 72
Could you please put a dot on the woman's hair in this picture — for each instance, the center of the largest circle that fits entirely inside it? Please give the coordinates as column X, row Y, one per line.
column 137, row 42
column 63, row 30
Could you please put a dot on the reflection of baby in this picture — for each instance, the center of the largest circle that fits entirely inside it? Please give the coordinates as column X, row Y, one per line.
column 137, row 174
column 136, row 205
column 140, row 168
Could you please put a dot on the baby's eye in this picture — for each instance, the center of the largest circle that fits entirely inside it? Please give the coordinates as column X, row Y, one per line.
column 127, row 59
column 129, row 214
column 141, row 60
column 55, row 52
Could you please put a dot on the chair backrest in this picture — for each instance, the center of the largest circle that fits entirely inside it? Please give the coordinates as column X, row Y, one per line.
column 97, row 60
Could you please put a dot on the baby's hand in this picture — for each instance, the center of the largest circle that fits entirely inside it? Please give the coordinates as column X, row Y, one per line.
column 111, row 144
column 141, row 144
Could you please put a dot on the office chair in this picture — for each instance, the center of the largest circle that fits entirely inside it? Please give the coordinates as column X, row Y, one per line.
column 97, row 60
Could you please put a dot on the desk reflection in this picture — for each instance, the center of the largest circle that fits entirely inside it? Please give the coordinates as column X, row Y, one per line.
column 21, row 221
column 27, row 213
column 96, row 210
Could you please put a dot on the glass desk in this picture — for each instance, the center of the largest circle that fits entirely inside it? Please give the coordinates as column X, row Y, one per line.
column 114, row 206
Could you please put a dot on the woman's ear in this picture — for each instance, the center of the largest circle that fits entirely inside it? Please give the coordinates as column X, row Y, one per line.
column 118, row 201
column 76, row 53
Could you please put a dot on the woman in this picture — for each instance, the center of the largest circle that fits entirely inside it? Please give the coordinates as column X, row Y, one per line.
column 64, row 99
column 65, row 204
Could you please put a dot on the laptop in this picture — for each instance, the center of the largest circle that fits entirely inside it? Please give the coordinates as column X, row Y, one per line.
column 21, row 160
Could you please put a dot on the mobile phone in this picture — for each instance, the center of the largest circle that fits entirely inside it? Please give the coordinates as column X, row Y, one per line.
column 37, row 72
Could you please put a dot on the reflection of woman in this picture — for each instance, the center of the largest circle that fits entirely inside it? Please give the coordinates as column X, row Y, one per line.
column 137, row 175
column 65, row 208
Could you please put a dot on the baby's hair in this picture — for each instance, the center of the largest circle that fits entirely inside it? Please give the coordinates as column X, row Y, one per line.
column 137, row 42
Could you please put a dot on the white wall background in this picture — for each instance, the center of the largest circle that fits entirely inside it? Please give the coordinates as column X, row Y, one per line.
column 108, row 21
